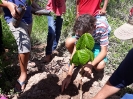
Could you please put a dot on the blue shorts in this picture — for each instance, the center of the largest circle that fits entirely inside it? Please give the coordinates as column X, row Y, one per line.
column 122, row 76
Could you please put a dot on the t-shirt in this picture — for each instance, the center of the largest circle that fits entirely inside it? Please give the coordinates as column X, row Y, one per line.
column 101, row 33
column 91, row 7
column 27, row 18
column 57, row 6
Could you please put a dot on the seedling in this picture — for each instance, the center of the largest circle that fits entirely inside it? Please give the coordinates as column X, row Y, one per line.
column 83, row 54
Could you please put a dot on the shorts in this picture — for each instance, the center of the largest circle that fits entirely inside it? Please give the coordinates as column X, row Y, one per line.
column 122, row 76
column 97, row 50
column 22, row 36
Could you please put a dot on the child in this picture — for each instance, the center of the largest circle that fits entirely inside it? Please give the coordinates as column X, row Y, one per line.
column 122, row 75
column 93, row 7
column 21, row 35
column 99, row 30
column 58, row 7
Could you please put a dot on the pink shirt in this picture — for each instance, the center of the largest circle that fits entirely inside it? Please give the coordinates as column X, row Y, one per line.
column 57, row 6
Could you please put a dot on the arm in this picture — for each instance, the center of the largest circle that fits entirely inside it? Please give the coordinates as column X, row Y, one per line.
column 67, row 80
column 72, row 66
column 100, row 56
column 105, row 4
column 11, row 6
column 106, row 91
column 77, row 8
column 103, row 10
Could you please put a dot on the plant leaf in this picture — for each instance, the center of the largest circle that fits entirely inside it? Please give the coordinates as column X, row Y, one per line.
column 81, row 57
column 85, row 41
column 91, row 54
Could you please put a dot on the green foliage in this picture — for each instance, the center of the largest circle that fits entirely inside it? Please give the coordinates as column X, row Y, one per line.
column 84, row 48
column 81, row 57
column 29, row 2
column 85, row 41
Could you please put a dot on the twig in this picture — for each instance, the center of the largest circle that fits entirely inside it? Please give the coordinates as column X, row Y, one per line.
column 80, row 90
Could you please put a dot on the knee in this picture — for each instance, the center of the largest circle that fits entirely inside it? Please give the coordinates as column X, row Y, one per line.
column 69, row 43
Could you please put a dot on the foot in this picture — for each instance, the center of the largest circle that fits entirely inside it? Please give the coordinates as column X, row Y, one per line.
column 20, row 86
column 47, row 58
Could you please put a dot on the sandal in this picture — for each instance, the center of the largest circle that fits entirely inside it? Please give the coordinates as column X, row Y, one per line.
column 18, row 87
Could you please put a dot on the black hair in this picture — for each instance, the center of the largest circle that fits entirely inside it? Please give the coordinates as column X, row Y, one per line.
column 84, row 23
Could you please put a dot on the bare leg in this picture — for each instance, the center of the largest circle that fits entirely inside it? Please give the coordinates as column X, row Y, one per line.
column 23, row 60
column 69, row 43
column 106, row 91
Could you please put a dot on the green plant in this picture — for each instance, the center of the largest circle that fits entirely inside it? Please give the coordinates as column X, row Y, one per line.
column 84, row 48
column 83, row 54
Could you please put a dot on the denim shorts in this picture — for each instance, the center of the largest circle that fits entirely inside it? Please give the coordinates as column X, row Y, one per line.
column 22, row 36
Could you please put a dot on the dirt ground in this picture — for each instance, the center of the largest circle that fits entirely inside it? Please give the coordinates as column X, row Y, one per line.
column 44, row 80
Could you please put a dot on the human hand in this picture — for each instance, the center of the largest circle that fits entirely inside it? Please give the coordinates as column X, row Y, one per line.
column 102, row 12
column 13, row 9
column 86, row 70
column 65, row 82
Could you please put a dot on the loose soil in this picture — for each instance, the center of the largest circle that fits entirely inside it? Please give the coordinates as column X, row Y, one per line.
column 44, row 80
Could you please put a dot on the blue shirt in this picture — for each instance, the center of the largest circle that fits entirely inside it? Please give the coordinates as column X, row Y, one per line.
column 27, row 18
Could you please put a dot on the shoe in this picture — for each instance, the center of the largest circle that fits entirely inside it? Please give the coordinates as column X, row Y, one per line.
column 18, row 86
